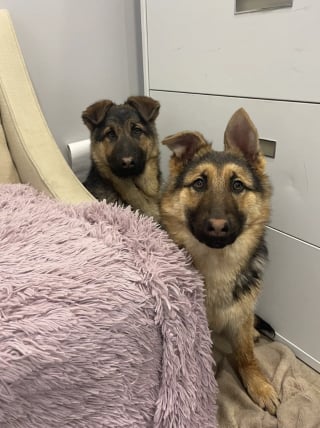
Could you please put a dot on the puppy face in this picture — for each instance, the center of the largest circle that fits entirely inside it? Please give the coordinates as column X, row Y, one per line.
column 217, row 195
column 123, row 136
column 221, row 196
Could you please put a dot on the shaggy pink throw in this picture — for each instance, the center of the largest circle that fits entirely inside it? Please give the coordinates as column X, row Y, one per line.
column 102, row 321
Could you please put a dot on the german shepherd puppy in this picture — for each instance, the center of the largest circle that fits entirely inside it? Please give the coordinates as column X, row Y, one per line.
column 125, row 153
column 216, row 205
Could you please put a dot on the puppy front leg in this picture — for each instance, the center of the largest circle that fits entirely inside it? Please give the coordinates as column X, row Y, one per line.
column 131, row 194
column 259, row 388
column 149, row 180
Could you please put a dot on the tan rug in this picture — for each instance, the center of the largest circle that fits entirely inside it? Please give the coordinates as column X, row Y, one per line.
column 298, row 385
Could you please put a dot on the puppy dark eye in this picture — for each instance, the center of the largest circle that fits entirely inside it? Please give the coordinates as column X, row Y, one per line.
column 111, row 135
column 199, row 184
column 237, row 186
column 136, row 131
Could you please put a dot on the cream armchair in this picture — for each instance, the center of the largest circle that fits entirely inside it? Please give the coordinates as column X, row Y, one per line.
column 28, row 151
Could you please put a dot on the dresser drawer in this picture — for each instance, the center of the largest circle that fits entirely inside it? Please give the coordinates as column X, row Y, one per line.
column 205, row 48
column 291, row 295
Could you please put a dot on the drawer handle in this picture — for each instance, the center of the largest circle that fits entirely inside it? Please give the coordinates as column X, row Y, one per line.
column 246, row 6
column 268, row 147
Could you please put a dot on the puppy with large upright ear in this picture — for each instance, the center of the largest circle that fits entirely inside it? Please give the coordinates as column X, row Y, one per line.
column 125, row 153
column 216, row 205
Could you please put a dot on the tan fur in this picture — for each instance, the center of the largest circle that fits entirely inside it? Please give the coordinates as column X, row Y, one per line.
column 221, row 266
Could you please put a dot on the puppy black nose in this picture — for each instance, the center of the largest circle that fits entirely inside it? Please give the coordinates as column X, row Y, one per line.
column 127, row 162
column 217, row 227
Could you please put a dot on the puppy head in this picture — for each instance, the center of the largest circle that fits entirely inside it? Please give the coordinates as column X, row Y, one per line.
column 217, row 195
column 123, row 137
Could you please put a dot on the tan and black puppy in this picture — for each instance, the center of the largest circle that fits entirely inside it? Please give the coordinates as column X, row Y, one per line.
column 125, row 153
column 216, row 205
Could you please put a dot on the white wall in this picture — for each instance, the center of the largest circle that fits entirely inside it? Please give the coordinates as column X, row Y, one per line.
column 78, row 51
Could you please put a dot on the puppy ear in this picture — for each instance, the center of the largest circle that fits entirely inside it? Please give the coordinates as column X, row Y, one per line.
column 147, row 107
column 185, row 144
column 241, row 134
column 93, row 115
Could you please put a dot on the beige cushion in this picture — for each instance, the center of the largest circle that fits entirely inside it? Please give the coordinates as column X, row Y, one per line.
column 33, row 149
column 8, row 172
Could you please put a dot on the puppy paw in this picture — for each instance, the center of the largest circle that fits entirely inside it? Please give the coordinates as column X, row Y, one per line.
column 264, row 394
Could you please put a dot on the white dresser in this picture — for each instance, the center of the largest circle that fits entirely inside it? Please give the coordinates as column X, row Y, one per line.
column 202, row 62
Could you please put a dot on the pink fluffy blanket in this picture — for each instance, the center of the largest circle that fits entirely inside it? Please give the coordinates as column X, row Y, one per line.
column 102, row 321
